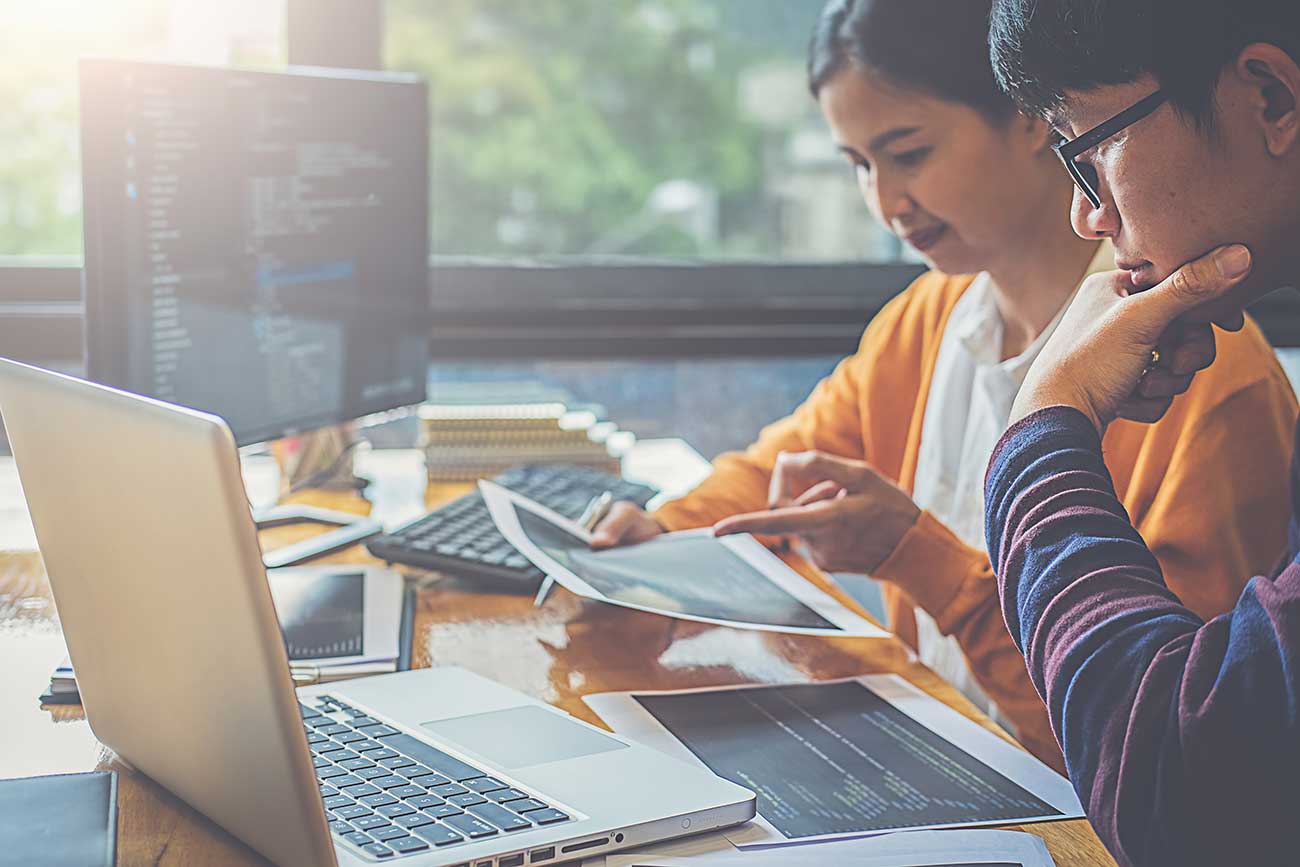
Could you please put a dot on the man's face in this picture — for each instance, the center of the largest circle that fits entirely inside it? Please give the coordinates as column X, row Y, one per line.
column 1171, row 191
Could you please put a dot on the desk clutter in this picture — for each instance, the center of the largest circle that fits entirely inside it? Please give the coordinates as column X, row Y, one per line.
column 65, row 820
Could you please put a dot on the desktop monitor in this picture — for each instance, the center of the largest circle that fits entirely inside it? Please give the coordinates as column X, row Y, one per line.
column 256, row 243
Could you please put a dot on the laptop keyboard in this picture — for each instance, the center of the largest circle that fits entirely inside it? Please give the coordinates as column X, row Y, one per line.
column 389, row 794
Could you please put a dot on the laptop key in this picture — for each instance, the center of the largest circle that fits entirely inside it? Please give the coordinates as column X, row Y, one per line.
column 392, row 811
column 338, row 826
column 528, row 804
column 333, row 729
column 379, row 850
column 411, row 772
column 366, row 745
column 389, row 833
column 446, row 791
column 469, row 799
column 438, row 835
column 406, row 845
column 366, row 823
column 381, row 731
column 396, row 762
column 371, row 773
column 307, row 712
column 356, row 764
column 486, row 784
column 392, row 781
column 431, row 757
column 501, row 817
column 338, row 801
column 549, row 816
column 345, row 781
column 330, row 772
column 360, row 790
column 405, row 792
column 349, row 737
column 356, row 811
column 382, row 753
column 383, row 799
column 471, row 826
column 505, row 795
column 443, row 811
column 327, row 791
column 424, row 799
column 414, row 820
column 318, row 762
column 357, row 838
column 360, row 722
column 318, row 722
column 317, row 738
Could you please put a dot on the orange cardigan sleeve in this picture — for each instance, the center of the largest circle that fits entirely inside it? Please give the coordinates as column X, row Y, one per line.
column 827, row 421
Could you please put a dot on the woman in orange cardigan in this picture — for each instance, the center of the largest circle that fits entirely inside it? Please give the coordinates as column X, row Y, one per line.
column 907, row 424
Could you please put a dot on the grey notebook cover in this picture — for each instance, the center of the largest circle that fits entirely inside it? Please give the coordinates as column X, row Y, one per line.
column 70, row 819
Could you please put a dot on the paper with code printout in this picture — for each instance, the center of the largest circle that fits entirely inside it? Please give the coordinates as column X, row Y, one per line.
column 692, row 575
column 913, row 849
column 847, row 758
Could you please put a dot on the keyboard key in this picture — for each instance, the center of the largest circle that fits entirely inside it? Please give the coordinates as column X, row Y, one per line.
column 330, row 772
column 357, row 838
column 527, row 804
column 327, row 791
column 469, row 799
column 361, row 722
column 319, row 722
column 382, row 799
column 319, row 762
column 412, row 772
column 446, row 791
column 549, row 816
column 338, row 801
column 485, row 784
column 381, row 731
column 443, row 811
column 345, row 781
column 389, row 833
column 360, row 790
column 329, row 748
column 340, row 756
column 414, row 820
column 349, row 737
column 356, row 811
column 396, row 762
column 392, row 811
column 471, row 826
column 406, row 791
column 505, row 795
column 406, row 845
column 366, row 823
column 421, row 801
column 429, row 756
column 392, row 781
column 356, row 764
column 371, row 773
column 501, row 817
column 307, row 712
column 438, row 835
column 366, row 745
column 382, row 753
column 317, row 738
column 379, row 850
column 333, row 729
column 338, row 826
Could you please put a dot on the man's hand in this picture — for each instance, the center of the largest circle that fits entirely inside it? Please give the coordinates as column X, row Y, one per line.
column 848, row 516
column 626, row 524
column 1099, row 359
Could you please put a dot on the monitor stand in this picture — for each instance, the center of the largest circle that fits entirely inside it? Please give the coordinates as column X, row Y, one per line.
column 351, row 529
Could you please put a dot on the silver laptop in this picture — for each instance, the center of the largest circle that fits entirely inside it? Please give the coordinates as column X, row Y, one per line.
column 142, row 518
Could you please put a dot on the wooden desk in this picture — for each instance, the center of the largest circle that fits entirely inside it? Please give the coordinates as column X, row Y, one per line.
column 558, row 653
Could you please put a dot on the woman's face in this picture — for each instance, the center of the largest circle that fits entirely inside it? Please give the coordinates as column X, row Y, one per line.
column 960, row 189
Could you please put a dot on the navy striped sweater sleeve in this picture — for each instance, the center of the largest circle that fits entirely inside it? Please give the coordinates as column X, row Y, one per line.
column 1181, row 737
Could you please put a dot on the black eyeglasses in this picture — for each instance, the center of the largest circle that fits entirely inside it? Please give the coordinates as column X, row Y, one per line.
column 1085, row 176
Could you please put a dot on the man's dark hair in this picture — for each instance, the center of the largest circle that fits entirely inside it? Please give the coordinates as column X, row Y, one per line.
column 1042, row 48
column 939, row 47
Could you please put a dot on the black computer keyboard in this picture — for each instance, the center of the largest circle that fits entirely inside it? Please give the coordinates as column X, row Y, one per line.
column 460, row 537
column 389, row 794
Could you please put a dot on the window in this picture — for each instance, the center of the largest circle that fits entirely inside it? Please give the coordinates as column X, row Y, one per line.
column 646, row 128
column 40, row 182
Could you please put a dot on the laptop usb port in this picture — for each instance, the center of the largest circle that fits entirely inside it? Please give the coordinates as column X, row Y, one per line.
column 585, row 844
column 542, row 855
column 516, row 860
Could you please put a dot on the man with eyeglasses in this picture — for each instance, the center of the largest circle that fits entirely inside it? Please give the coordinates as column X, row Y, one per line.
column 1180, row 124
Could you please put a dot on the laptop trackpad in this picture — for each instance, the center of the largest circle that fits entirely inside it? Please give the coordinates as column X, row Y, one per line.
column 521, row 736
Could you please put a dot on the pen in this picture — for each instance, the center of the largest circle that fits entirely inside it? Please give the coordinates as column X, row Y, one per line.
column 592, row 515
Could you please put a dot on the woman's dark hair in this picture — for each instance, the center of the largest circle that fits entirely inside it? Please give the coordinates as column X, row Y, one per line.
column 1042, row 48
column 936, row 46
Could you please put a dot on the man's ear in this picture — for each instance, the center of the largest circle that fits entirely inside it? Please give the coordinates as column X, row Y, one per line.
column 1272, row 80
column 1036, row 130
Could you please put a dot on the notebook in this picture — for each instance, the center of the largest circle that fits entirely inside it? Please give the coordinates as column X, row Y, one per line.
column 69, row 819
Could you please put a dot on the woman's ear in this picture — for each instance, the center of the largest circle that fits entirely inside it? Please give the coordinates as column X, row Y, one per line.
column 1271, row 82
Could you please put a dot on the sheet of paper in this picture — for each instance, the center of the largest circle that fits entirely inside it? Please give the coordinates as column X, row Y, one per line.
column 732, row 581
column 912, row 849
column 846, row 758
